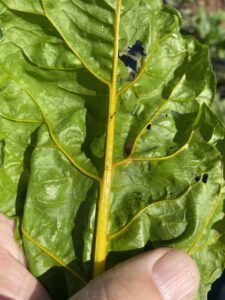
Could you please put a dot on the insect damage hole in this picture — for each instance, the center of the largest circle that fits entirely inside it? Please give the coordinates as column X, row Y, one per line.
column 132, row 58
column 205, row 178
column 197, row 178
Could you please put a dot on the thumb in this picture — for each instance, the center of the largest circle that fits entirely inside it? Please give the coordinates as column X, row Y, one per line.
column 163, row 274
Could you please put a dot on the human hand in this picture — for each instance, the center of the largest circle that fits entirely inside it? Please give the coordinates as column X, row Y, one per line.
column 16, row 283
column 163, row 274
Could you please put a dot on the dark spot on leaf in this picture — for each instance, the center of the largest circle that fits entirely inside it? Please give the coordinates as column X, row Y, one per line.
column 149, row 126
column 197, row 178
column 132, row 75
column 113, row 116
column 205, row 178
column 2, row 33
column 2, row 152
column 128, row 148
column 166, row 115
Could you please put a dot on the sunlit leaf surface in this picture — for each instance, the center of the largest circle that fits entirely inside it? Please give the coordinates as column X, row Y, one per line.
column 108, row 146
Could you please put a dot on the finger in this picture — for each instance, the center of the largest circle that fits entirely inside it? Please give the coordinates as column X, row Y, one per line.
column 163, row 274
column 16, row 283
column 7, row 239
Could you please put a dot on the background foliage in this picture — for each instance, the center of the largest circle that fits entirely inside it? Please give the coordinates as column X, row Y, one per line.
column 206, row 20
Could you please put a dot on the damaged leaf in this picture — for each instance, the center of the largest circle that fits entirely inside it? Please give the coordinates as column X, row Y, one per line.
column 98, row 168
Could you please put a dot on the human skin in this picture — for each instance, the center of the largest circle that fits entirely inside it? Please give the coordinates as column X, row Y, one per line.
column 163, row 274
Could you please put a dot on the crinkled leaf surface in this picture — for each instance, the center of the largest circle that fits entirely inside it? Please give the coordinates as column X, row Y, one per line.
column 96, row 167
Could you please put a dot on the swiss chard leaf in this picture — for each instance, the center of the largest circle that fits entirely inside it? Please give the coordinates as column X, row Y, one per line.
column 96, row 164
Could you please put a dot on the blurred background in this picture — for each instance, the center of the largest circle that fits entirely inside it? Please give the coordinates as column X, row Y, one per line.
column 205, row 19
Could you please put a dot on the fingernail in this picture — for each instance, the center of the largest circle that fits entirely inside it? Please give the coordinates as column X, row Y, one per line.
column 176, row 276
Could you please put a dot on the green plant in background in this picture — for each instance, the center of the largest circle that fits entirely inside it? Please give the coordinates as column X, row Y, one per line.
column 108, row 143
column 209, row 28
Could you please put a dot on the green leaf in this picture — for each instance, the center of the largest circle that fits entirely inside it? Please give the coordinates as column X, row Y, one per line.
column 98, row 167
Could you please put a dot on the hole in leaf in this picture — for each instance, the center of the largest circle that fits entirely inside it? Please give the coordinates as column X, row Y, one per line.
column 205, row 178
column 132, row 58
column 137, row 48
column 197, row 178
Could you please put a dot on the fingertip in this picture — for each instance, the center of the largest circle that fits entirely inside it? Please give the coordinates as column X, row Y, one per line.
column 176, row 275
column 160, row 274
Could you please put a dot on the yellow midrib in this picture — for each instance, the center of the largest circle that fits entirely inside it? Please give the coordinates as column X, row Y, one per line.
column 101, row 247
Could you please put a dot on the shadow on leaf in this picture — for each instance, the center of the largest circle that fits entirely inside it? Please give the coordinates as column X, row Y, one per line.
column 24, row 178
